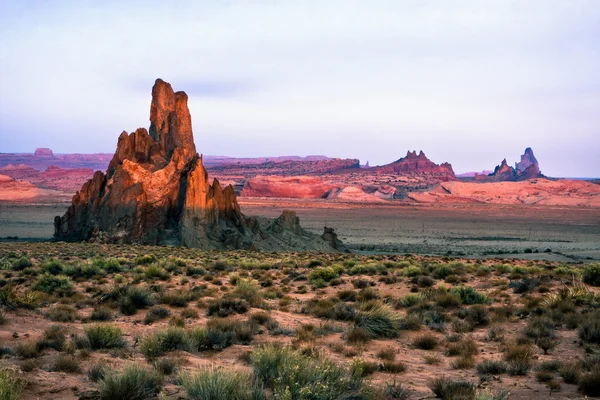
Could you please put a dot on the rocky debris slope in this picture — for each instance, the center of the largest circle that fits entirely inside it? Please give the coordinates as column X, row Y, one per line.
column 527, row 168
column 156, row 191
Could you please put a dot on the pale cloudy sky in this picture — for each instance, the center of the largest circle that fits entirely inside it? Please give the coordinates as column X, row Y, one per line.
column 466, row 81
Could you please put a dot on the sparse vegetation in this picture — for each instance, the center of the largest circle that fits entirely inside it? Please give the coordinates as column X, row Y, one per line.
column 165, row 303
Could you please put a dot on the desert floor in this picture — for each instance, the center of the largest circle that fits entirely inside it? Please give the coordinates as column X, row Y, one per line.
column 472, row 230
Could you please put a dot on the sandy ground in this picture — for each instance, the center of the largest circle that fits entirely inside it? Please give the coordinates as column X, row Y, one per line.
column 477, row 230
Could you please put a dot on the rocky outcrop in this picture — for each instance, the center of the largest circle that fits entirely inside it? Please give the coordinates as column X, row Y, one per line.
column 299, row 187
column 156, row 191
column 527, row 168
column 415, row 163
column 43, row 152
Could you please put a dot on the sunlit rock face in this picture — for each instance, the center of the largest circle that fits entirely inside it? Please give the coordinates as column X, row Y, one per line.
column 415, row 163
column 527, row 168
column 157, row 191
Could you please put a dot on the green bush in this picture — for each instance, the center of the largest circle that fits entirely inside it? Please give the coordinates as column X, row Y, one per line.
column 591, row 274
column 52, row 267
column 589, row 383
column 379, row 320
column 216, row 384
column 226, row 306
column 589, row 329
column 158, row 343
column 324, row 273
column 11, row 386
column 134, row 383
column 156, row 313
column 293, row 375
column 248, row 291
column 59, row 284
column 21, row 264
column 66, row 363
column 468, row 295
column 452, row 389
column 491, row 367
column 104, row 336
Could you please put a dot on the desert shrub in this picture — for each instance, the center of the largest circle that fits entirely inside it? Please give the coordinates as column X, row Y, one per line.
column 412, row 322
column 132, row 299
column 155, row 345
column 260, row 318
column 176, row 298
column 591, row 274
column 367, row 294
column 97, row 372
column 135, row 382
column 464, row 347
column 452, row 389
column 189, row 313
column 217, row 384
column 425, row 342
column 396, row 391
column 167, row 365
column 347, row 295
column 411, row 271
column 248, row 291
column 321, row 308
column 66, row 363
column 539, row 327
column 356, row 335
column 220, row 333
column 101, row 313
column 226, row 306
column 62, row 313
column 21, row 264
column 475, row 316
column 104, row 336
column 2, row 318
column 54, row 338
column 59, row 284
column 570, row 372
column 519, row 358
column 145, row 259
column 525, row 285
column 156, row 313
column 344, row 312
column 442, row 271
column 361, row 367
column 589, row 383
column 378, row 319
column 291, row 374
column 463, row 362
column 491, row 367
column 546, row 343
column 11, row 386
column 447, row 300
column 27, row 350
column 52, row 267
column 155, row 271
column 468, row 295
column 324, row 273
column 411, row 300
column 589, row 329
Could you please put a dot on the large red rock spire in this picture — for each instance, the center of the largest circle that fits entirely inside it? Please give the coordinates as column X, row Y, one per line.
column 156, row 191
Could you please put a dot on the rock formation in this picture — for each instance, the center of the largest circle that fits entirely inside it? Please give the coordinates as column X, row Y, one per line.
column 417, row 164
column 300, row 187
column 527, row 168
column 156, row 191
column 43, row 152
